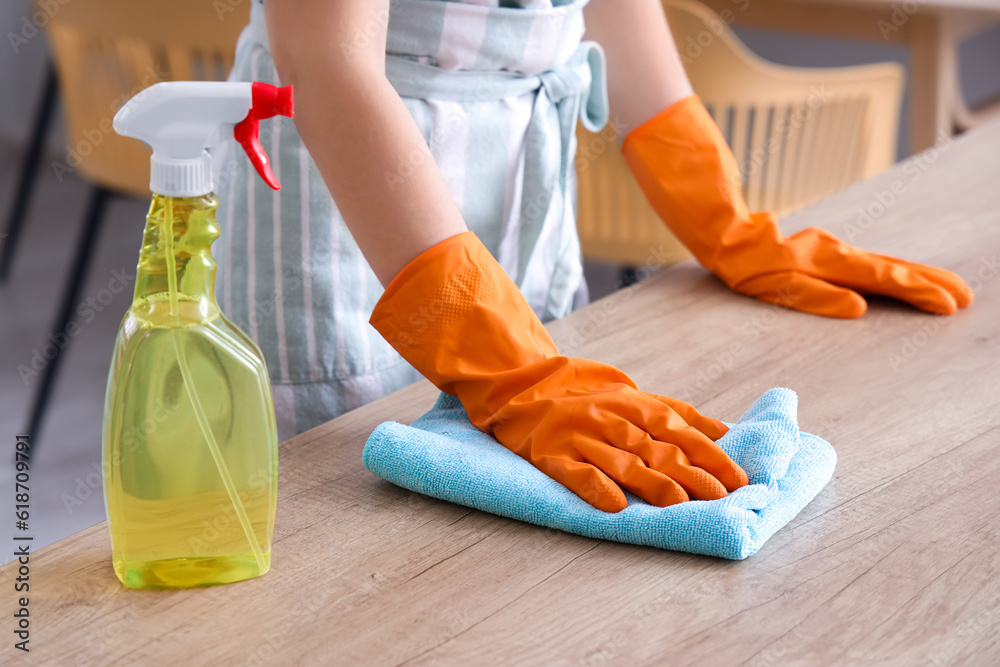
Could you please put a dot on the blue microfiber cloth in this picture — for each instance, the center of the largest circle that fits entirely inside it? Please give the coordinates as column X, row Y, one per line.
column 443, row 455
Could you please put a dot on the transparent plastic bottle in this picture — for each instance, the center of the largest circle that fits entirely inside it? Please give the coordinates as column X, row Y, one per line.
column 190, row 443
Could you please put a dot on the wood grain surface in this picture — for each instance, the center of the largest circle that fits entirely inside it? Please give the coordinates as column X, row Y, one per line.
column 895, row 562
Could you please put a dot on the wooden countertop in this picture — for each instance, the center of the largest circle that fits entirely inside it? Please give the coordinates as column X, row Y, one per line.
column 897, row 561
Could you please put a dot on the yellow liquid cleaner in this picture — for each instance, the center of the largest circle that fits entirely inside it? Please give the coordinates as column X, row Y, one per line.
column 190, row 442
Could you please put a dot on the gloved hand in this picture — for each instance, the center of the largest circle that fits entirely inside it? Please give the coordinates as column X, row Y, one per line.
column 461, row 321
column 691, row 178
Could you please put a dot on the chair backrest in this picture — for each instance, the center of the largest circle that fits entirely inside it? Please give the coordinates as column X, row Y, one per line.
column 798, row 135
column 106, row 51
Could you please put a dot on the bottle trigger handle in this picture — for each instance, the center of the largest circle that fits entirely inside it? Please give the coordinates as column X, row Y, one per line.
column 267, row 101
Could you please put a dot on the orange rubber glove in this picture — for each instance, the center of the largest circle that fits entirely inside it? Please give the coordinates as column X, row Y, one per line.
column 691, row 178
column 461, row 321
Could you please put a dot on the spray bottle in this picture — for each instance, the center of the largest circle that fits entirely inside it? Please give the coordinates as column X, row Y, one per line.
column 190, row 443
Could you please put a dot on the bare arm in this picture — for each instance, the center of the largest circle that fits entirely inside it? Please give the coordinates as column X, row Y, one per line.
column 358, row 130
column 645, row 74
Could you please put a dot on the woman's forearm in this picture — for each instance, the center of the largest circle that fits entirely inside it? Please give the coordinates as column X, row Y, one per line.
column 366, row 145
column 645, row 73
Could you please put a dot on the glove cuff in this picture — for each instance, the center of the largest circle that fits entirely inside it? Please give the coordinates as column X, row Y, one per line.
column 459, row 319
column 690, row 177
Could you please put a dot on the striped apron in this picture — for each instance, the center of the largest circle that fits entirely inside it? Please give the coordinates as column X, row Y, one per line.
column 496, row 92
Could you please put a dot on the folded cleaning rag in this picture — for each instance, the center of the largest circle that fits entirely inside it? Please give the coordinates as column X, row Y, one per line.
column 443, row 455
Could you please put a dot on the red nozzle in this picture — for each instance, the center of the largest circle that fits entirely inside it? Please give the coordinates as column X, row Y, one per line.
column 268, row 101
column 272, row 101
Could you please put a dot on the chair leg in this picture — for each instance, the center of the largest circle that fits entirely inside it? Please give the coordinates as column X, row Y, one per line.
column 71, row 295
column 627, row 277
column 29, row 172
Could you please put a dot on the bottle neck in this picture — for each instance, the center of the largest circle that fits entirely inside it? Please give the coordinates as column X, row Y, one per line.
column 175, row 280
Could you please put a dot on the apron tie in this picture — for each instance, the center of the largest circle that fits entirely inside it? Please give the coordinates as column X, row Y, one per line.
column 575, row 90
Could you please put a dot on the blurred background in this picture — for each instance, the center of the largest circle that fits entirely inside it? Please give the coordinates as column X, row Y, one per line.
column 812, row 95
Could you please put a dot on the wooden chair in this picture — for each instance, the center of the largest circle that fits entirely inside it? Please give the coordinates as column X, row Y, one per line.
column 104, row 52
column 798, row 134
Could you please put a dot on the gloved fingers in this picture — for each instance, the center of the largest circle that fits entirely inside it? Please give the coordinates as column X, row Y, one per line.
column 699, row 482
column 947, row 279
column 712, row 428
column 585, row 480
column 697, row 463
column 890, row 277
column 653, row 430
column 799, row 291
column 632, row 473
column 846, row 266
column 929, row 288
